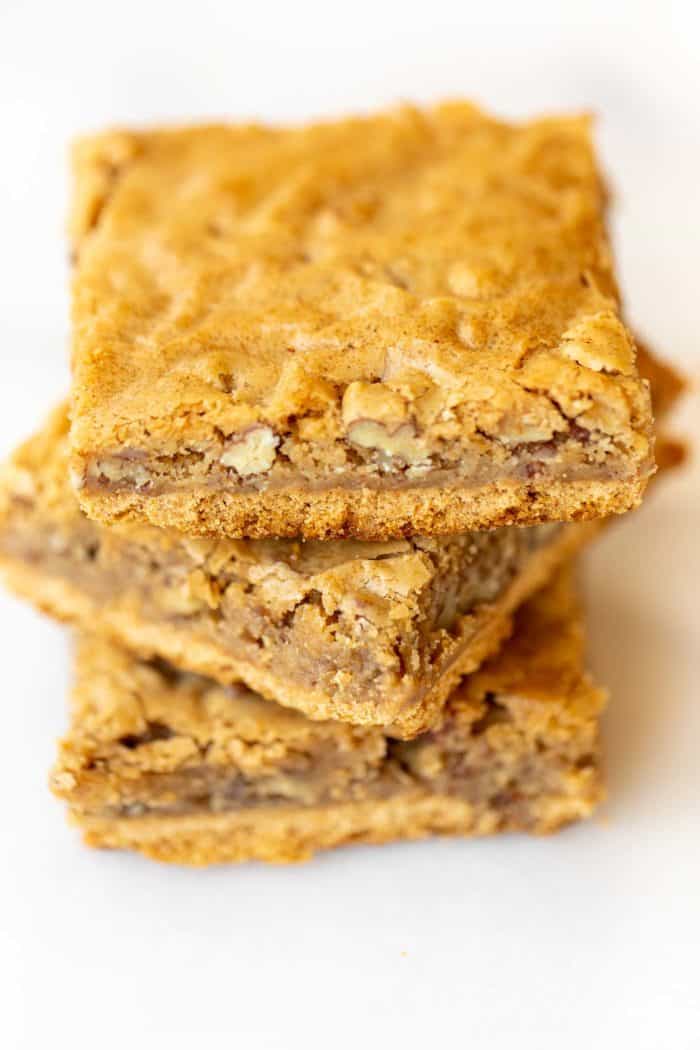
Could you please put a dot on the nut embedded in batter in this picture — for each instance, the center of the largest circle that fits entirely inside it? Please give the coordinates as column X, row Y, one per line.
column 252, row 452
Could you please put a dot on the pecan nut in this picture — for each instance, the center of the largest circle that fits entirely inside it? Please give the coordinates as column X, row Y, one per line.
column 251, row 452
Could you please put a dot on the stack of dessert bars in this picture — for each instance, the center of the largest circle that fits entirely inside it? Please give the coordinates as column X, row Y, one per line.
column 347, row 399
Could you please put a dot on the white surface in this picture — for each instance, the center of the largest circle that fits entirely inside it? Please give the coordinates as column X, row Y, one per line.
column 586, row 940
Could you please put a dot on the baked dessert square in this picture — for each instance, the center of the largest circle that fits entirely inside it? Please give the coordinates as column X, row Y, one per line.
column 405, row 324
column 187, row 771
column 374, row 633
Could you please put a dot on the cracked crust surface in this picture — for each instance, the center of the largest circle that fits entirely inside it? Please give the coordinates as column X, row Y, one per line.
column 402, row 323
column 183, row 770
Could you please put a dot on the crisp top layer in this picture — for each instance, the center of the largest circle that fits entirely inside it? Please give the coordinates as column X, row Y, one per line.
column 450, row 266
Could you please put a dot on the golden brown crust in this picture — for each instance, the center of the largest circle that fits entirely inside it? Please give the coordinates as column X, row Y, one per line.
column 369, row 514
column 364, row 303
column 183, row 770
column 290, row 836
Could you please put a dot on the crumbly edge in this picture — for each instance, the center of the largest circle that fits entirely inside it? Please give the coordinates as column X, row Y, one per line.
column 516, row 749
column 261, row 460
column 502, row 752
column 293, row 835
column 145, row 738
column 392, row 616
column 365, row 513
column 362, row 631
column 375, row 514
column 64, row 601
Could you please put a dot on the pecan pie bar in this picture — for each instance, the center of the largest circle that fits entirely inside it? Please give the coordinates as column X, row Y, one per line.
column 372, row 633
column 375, row 633
column 401, row 324
column 187, row 771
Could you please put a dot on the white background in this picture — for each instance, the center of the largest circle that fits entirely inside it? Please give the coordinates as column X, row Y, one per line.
column 589, row 939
